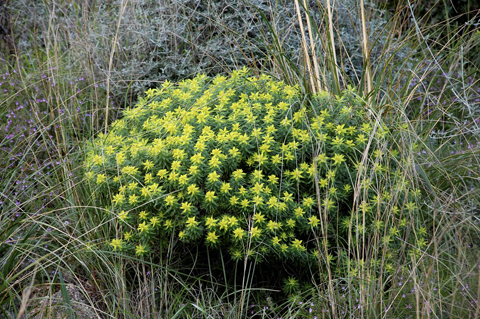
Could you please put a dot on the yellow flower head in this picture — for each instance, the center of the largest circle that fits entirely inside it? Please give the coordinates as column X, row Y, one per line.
column 183, row 179
column 118, row 199
column 233, row 200
column 287, row 197
column 213, row 177
column 275, row 241
column 143, row 215
column 239, row 233
column 123, row 215
column 225, row 187
column 133, row 199
column 234, row 152
column 271, row 225
column 340, row 130
column 290, row 223
column 170, row 200
column 140, row 250
column 223, row 224
column 212, row 237
column 258, row 217
column 255, row 232
column 193, row 190
column 132, row 186
column 176, row 165
column 338, row 159
column 154, row 221
column 299, row 212
column 297, row 245
column 130, row 170
column 186, row 207
column 191, row 222
column 162, row 173
column 238, row 174
column 148, row 165
column 197, row 158
column 211, row 222
column 210, row 196
column 232, row 221
column 215, row 162
column 148, row 178
column 101, row 178
column 168, row 224
column 273, row 179
column 308, row 202
column 178, row 154
column 143, row 227
column 313, row 221
column 117, row 244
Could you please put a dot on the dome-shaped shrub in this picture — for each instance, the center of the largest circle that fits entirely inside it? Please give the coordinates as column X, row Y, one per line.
column 232, row 162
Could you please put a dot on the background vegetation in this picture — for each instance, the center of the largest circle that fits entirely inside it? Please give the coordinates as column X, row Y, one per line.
column 70, row 68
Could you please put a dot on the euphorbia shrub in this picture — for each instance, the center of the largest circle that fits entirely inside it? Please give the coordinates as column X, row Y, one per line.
column 243, row 163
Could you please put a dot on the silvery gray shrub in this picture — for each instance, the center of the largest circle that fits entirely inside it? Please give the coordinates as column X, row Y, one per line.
column 157, row 40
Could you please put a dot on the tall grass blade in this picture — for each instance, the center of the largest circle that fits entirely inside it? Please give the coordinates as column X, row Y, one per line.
column 65, row 296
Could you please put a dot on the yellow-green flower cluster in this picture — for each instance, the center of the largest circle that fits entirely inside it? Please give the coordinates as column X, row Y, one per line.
column 231, row 162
